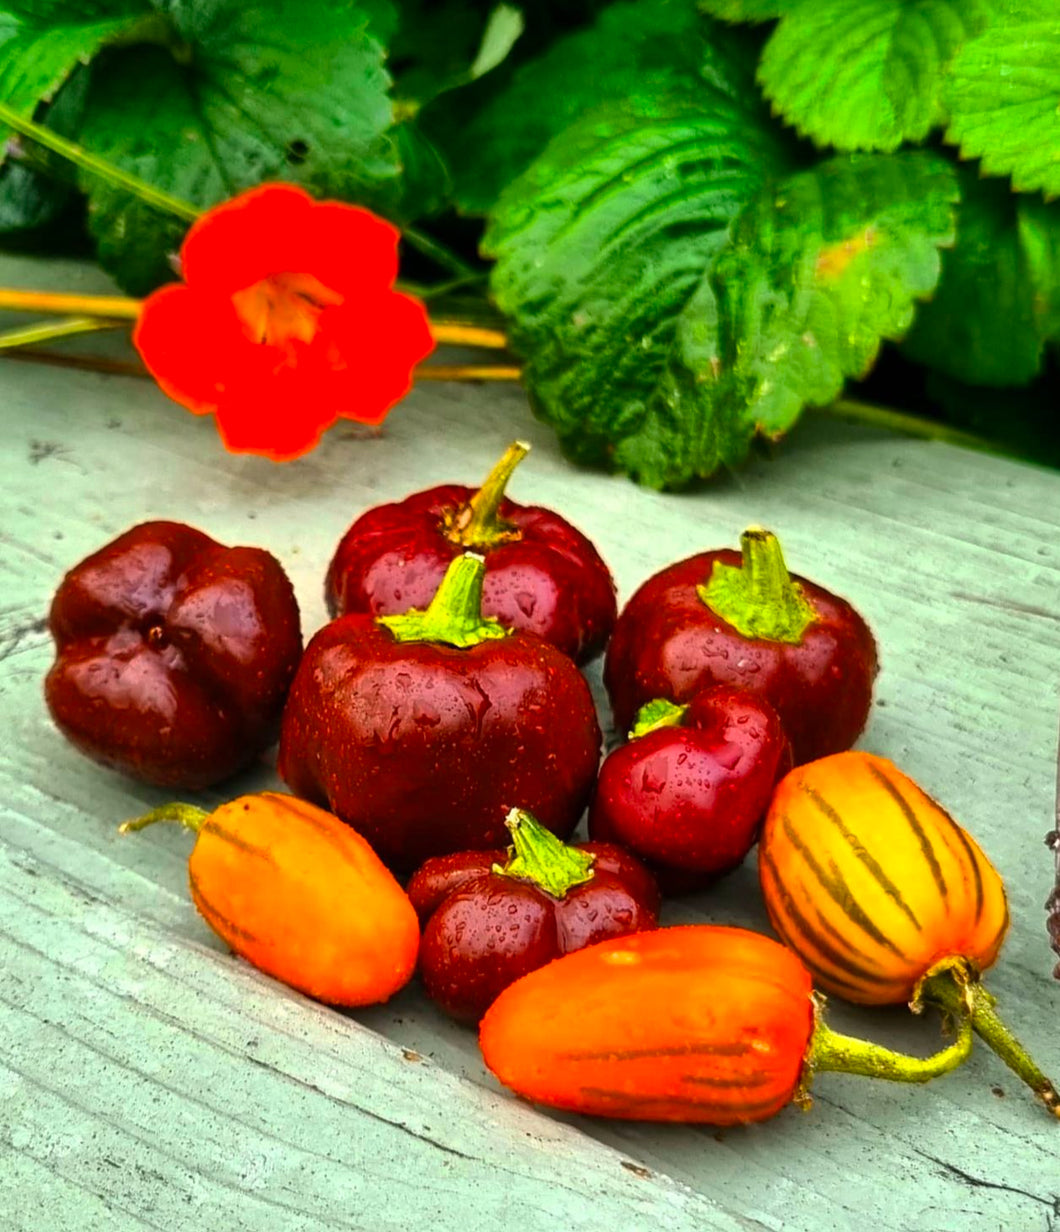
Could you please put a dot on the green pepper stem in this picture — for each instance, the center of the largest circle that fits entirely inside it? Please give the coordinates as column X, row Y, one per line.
column 655, row 714
column 476, row 524
column 955, row 988
column 189, row 816
column 539, row 857
column 454, row 615
column 759, row 597
column 847, row 1055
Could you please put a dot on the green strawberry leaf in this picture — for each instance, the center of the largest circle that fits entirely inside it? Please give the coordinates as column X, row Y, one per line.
column 275, row 89
column 40, row 46
column 28, row 202
column 438, row 47
column 37, row 188
column 998, row 297
column 506, row 23
column 635, row 47
column 1002, row 95
column 745, row 10
column 601, row 248
column 1039, row 231
column 865, row 74
column 69, row 12
column 424, row 188
column 819, row 271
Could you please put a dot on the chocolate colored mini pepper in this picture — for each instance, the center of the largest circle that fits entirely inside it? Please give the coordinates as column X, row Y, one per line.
column 724, row 617
column 543, row 575
column 490, row 917
column 173, row 655
column 423, row 730
column 689, row 791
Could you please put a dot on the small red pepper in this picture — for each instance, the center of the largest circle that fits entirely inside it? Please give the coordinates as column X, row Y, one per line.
column 542, row 575
column 174, row 655
column 422, row 730
column 723, row 618
column 689, row 792
column 489, row 917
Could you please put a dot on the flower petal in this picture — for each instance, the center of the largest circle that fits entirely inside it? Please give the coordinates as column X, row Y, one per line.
column 238, row 242
column 279, row 416
column 381, row 340
column 357, row 249
column 190, row 343
column 279, row 229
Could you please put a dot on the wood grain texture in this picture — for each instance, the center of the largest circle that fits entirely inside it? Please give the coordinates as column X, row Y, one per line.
column 148, row 1079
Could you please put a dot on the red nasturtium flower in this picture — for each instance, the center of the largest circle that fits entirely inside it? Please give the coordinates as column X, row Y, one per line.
column 286, row 320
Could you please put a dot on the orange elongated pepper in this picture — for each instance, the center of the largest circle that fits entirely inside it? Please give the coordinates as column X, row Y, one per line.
column 698, row 1023
column 300, row 895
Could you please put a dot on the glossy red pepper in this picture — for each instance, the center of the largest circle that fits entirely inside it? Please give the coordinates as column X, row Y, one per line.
column 423, row 730
column 542, row 575
column 489, row 917
column 726, row 618
column 174, row 655
column 689, row 791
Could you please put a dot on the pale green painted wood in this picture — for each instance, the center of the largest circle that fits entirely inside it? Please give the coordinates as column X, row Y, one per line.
column 147, row 1079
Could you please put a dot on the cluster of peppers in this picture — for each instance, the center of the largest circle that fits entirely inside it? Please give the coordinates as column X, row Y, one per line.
column 439, row 728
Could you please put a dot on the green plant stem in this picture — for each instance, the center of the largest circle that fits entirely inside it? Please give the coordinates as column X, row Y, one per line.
column 97, row 166
column 909, row 425
column 955, row 988
column 453, row 284
column 438, row 253
column 30, row 335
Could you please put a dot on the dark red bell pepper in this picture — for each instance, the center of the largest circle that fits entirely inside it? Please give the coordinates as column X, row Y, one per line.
column 725, row 618
column 423, row 730
column 689, row 791
column 174, row 655
column 490, row 917
column 542, row 575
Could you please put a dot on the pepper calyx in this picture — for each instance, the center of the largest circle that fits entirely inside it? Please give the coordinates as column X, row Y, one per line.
column 454, row 616
column 655, row 714
column 538, row 857
column 758, row 597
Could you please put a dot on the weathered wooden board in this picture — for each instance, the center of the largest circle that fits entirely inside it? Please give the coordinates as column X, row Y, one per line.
column 148, row 1079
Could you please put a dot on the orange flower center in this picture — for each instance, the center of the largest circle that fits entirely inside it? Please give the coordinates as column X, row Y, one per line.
column 283, row 308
